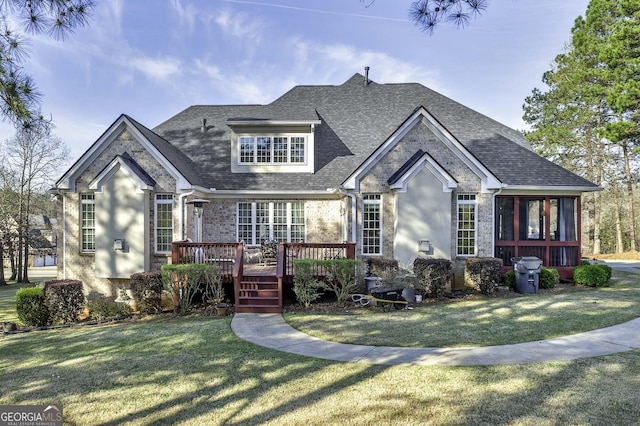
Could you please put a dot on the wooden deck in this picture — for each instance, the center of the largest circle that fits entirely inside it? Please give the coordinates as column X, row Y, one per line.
column 258, row 287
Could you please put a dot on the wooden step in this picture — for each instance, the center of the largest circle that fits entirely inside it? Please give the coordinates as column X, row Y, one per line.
column 259, row 294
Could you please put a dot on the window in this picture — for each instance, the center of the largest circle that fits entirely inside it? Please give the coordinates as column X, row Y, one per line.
column 372, row 224
column 272, row 149
column 532, row 219
column 280, row 221
column 88, row 223
column 466, row 225
column 164, row 222
column 504, row 219
column 564, row 217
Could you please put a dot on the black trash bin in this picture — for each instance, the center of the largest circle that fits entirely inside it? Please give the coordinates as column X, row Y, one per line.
column 527, row 269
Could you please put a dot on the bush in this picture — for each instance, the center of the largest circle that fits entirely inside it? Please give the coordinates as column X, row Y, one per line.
column 342, row 277
column 183, row 281
column 592, row 275
column 103, row 307
column 213, row 286
column 146, row 289
column 381, row 267
column 64, row 299
column 305, row 285
column 483, row 274
column 510, row 279
column 30, row 306
column 432, row 276
column 548, row 278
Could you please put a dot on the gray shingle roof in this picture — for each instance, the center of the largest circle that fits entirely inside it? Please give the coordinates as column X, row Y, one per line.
column 355, row 120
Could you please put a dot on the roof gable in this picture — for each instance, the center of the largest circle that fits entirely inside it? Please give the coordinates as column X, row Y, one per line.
column 164, row 152
column 130, row 168
column 419, row 161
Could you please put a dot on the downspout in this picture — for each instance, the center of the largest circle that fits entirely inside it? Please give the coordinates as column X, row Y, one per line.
column 351, row 196
column 64, row 237
column 493, row 222
column 181, row 198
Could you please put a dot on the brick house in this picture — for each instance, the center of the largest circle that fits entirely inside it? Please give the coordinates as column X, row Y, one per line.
column 398, row 169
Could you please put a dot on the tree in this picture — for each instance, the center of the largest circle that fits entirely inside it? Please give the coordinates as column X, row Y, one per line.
column 19, row 98
column 426, row 14
column 30, row 159
column 588, row 117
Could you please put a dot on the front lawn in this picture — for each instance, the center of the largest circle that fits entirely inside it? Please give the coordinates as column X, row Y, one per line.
column 481, row 321
column 195, row 371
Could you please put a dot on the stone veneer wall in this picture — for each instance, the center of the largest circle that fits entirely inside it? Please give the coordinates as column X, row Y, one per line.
column 81, row 266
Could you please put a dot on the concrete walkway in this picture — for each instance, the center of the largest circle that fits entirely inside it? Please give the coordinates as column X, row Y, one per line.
column 272, row 331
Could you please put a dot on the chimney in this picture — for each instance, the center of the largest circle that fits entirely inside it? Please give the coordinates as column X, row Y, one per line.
column 366, row 76
column 203, row 125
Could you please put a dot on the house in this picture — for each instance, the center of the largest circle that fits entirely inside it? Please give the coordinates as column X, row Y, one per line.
column 399, row 169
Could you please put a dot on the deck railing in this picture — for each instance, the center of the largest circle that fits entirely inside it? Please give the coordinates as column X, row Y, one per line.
column 224, row 255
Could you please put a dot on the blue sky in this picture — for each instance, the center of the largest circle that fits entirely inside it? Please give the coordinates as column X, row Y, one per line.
column 151, row 59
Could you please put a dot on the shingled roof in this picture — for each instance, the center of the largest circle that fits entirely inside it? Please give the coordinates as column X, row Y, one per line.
column 355, row 119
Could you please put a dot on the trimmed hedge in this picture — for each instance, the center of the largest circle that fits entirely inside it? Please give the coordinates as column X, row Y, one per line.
column 146, row 289
column 592, row 275
column 483, row 274
column 64, row 299
column 549, row 278
column 103, row 307
column 432, row 275
column 30, row 307
column 381, row 267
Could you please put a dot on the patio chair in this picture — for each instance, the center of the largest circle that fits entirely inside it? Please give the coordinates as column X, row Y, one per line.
column 269, row 251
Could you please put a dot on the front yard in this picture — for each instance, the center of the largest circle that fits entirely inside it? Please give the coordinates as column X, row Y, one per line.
column 480, row 321
column 193, row 370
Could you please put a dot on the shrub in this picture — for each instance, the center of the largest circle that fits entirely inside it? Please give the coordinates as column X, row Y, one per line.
column 548, row 278
column 510, row 279
column 483, row 274
column 592, row 275
column 213, row 286
column 146, row 289
column 64, row 299
column 342, row 277
column 432, row 276
column 305, row 285
column 31, row 308
column 381, row 267
column 103, row 307
column 584, row 262
column 182, row 281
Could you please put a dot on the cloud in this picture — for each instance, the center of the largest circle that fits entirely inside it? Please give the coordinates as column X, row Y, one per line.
column 157, row 69
column 186, row 15
column 238, row 24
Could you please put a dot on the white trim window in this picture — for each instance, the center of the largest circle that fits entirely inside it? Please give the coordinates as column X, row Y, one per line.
column 272, row 150
column 372, row 224
column 467, row 225
column 87, row 223
column 280, row 221
column 163, row 223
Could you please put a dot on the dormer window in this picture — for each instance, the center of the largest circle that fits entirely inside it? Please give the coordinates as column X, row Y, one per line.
column 272, row 149
column 272, row 146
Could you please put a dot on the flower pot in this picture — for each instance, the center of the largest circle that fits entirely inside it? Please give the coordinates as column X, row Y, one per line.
column 221, row 310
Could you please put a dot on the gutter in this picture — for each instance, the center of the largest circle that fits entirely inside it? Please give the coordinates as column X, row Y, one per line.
column 181, row 198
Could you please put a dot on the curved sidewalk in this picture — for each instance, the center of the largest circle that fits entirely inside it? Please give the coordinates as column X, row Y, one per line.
column 272, row 331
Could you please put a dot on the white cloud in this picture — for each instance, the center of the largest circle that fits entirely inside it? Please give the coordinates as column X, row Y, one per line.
column 238, row 24
column 156, row 69
column 186, row 15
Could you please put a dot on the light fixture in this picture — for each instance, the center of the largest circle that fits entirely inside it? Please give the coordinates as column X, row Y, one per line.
column 198, row 206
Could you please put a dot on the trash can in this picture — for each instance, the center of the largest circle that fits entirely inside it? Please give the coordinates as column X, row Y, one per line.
column 527, row 270
column 372, row 284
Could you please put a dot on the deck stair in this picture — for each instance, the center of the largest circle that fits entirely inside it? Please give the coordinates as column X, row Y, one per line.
column 259, row 294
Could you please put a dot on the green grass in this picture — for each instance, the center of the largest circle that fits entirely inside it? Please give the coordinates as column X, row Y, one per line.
column 8, row 292
column 481, row 322
column 193, row 371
